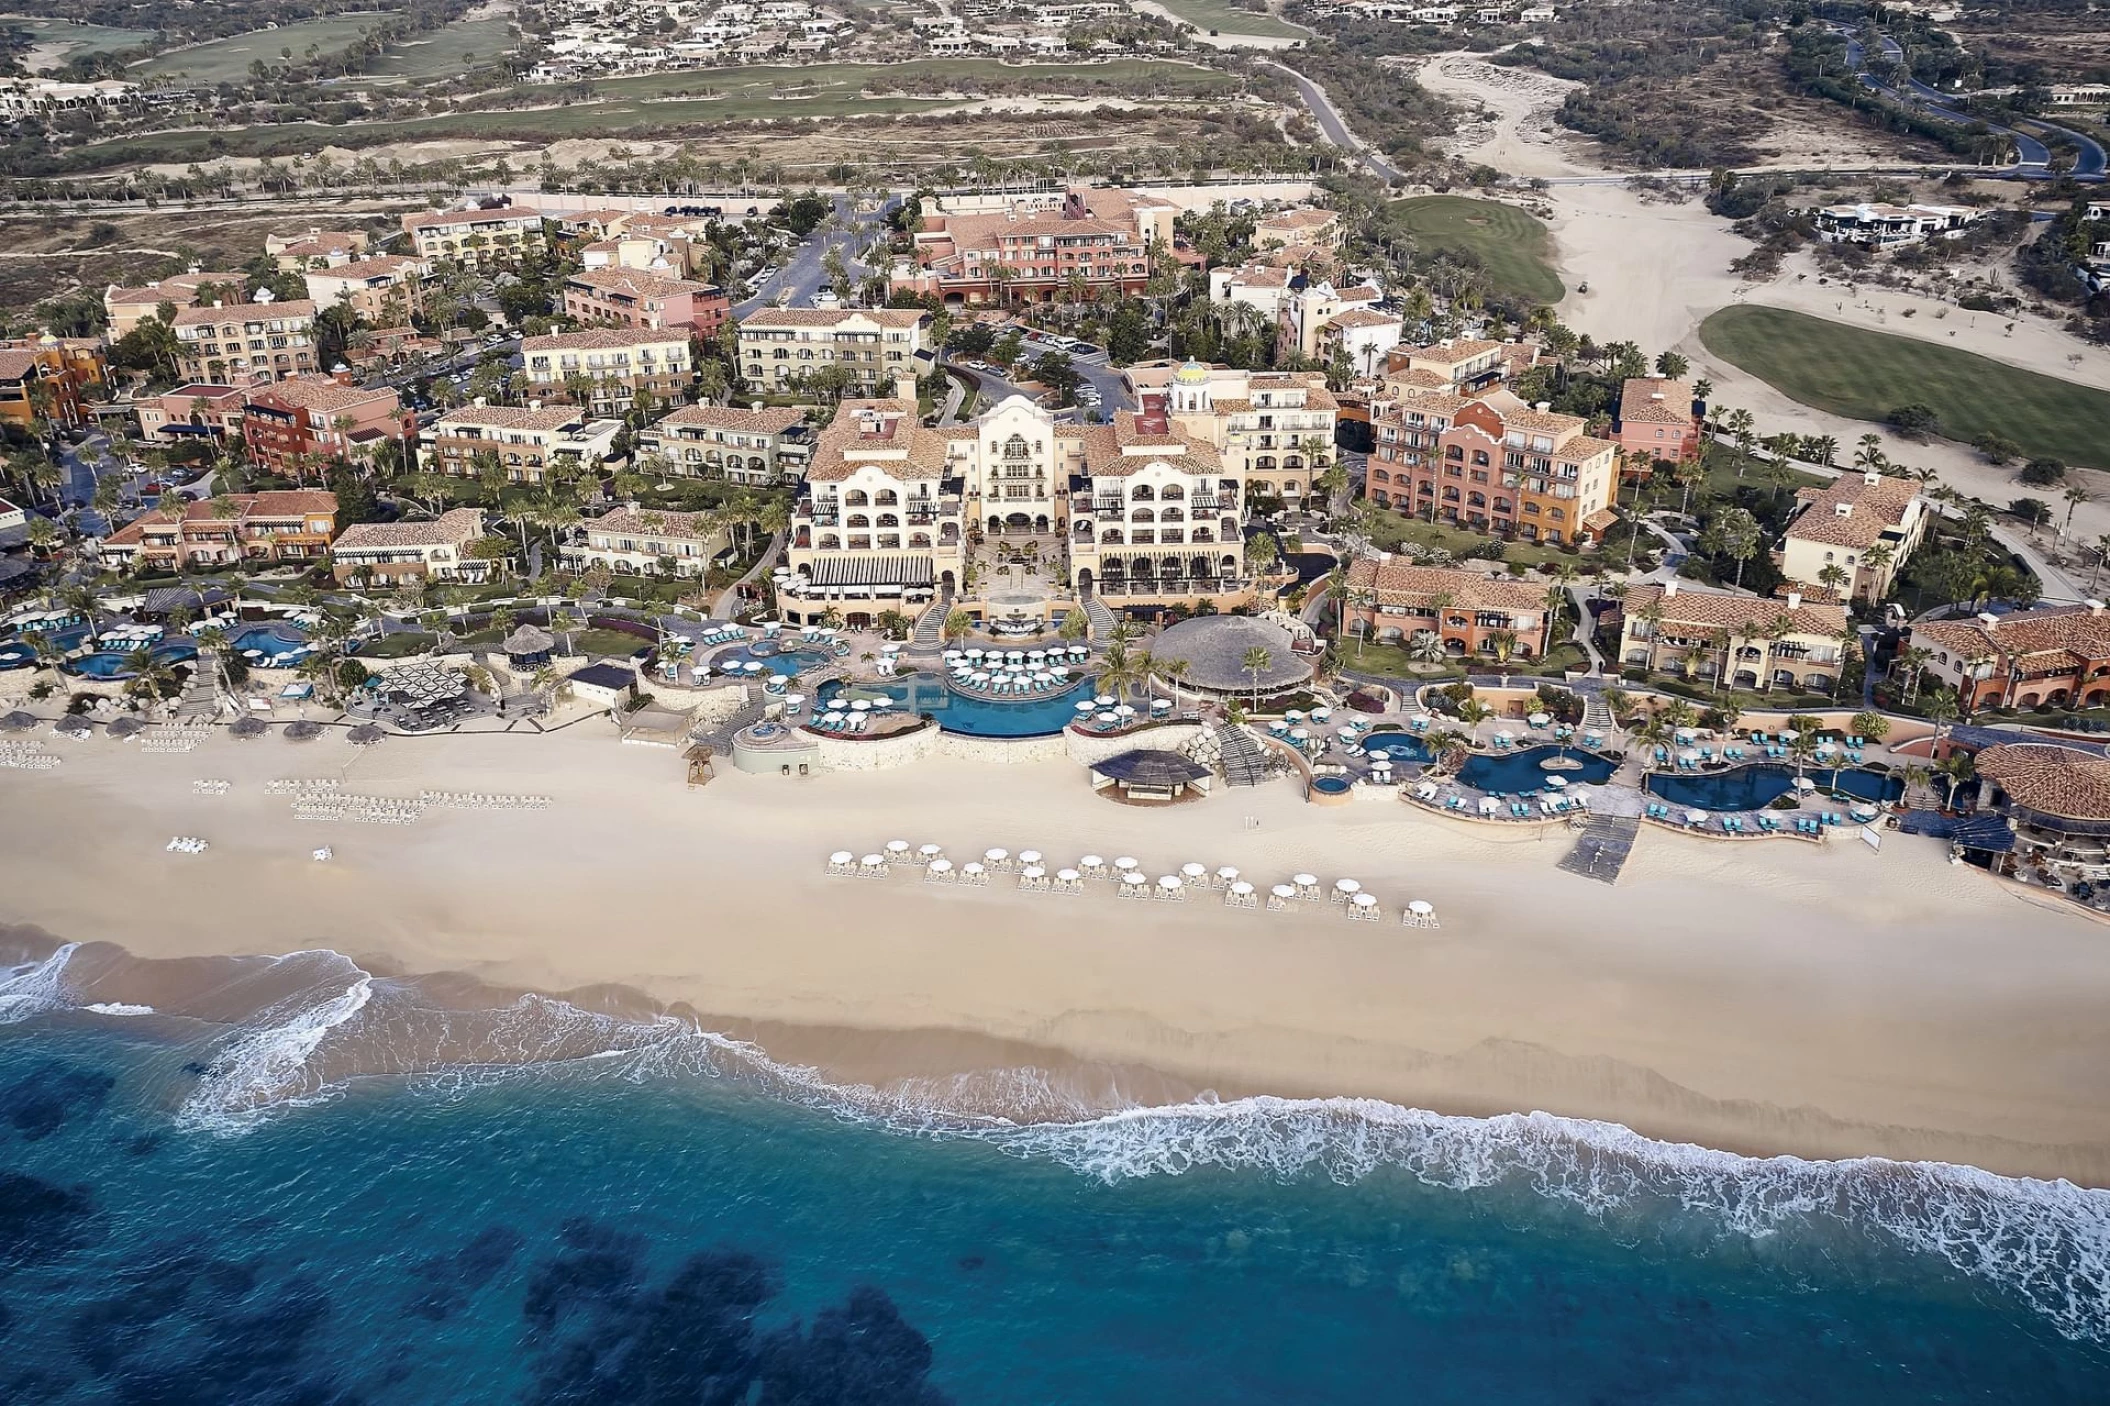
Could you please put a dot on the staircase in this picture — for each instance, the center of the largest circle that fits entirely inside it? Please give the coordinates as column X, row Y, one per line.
column 929, row 635
column 1244, row 761
column 1596, row 716
column 1103, row 621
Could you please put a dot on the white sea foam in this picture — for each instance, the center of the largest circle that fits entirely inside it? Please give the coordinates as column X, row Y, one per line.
column 117, row 1008
column 2046, row 1242
column 35, row 988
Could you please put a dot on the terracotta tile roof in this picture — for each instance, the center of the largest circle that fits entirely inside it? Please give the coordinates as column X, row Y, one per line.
column 604, row 339
column 2055, row 780
column 864, row 430
column 1454, row 352
column 1716, row 609
column 2076, row 629
column 1259, row 276
column 833, row 317
column 1874, row 508
column 272, row 503
column 636, row 282
column 768, row 420
column 317, row 393
column 651, row 522
column 180, row 289
column 1399, row 581
column 1104, row 453
column 1655, row 400
column 469, row 217
column 376, row 267
column 508, row 417
column 451, row 528
column 1364, row 317
column 17, row 363
column 244, row 312
column 1299, row 219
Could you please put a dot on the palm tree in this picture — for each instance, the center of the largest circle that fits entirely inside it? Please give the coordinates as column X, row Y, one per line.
column 1957, row 768
column 1119, row 670
column 1173, row 672
column 1913, row 660
column 2075, row 496
column 958, row 625
column 1256, row 661
column 1425, row 647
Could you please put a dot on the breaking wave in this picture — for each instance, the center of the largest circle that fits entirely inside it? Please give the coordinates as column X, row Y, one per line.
column 320, row 1022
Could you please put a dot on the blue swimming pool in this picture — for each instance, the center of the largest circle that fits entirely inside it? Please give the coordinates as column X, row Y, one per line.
column 16, row 655
column 1399, row 746
column 1511, row 773
column 1331, row 785
column 273, row 641
column 1752, row 787
column 110, row 663
column 972, row 717
column 792, row 662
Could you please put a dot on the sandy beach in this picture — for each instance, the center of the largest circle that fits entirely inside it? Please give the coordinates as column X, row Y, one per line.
column 1759, row 998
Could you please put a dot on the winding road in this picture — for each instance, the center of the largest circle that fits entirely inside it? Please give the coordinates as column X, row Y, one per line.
column 1335, row 129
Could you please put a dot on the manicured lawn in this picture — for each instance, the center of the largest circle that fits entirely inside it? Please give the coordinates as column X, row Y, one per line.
column 1865, row 375
column 1516, row 249
column 77, row 39
column 1391, row 661
column 400, row 645
column 227, row 60
column 1227, row 18
column 1390, row 530
column 446, row 53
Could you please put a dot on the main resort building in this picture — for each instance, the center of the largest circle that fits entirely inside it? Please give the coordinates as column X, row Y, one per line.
column 1142, row 511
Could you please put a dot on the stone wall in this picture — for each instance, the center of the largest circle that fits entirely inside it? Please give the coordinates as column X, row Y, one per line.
column 1089, row 749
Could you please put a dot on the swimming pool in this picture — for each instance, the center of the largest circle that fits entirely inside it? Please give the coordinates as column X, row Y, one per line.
column 273, row 641
column 791, row 662
column 1399, row 746
column 1511, row 773
column 16, row 655
column 971, row 717
column 1331, row 785
column 110, row 663
column 1753, row 787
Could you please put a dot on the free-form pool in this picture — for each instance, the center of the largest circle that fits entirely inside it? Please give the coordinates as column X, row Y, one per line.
column 271, row 642
column 973, row 717
column 112, row 664
column 789, row 662
column 16, row 655
column 1753, row 787
column 1512, row 773
column 1399, row 746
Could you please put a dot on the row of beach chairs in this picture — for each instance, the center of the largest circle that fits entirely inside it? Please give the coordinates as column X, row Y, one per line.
column 482, row 800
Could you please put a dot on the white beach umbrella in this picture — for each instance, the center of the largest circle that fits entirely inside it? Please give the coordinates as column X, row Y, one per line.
column 1029, row 856
column 873, row 861
column 1228, row 873
column 996, row 856
column 1124, row 711
column 941, row 866
column 1241, row 888
column 794, row 700
column 1125, row 864
column 1300, row 734
column 1539, row 719
column 841, row 856
column 972, row 868
column 1086, row 705
column 1803, row 783
column 1504, row 734
column 1488, row 805
column 1132, row 879
column 1033, row 871
column 1421, row 909
column 1295, row 715
column 1092, row 861
column 1191, row 870
column 1169, row 882
column 1105, row 700
column 1304, row 881
column 931, row 851
column 1068, row 876
column 1694, row 817
column 1346, row 886
column 1283, row 891
column 1109, row 718
column 1558, row 783
column 897, row 847
column 1364, row 900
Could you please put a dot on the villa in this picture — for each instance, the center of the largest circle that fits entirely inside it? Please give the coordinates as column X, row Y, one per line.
column 2058, row 657
column 1156, row 516
column 754, row 447
column 877, row 347
column 2057, row 798
column 386, row 553
column 649, row 542
column 1461, row 364
column 635, row 298
column 604, row 368
column 303, row 422
column 1855, row 534
column 497, row 236
column 1305, row 314
column 126, row 308
column 1787, row 643
column 315, row 248
column 1491, row 463
column 1474, row 615
column 1880, row 226
column 278, row 526
column 1318, row 229
column 878, row 518
column 1273, row 430
column 1032, row 250
column 525, row 443
column 240, row 343
column 383, row 290
column 1656, row 423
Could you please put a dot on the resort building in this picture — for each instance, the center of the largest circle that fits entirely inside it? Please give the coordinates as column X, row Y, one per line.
column 48, row 379
column 315, row 249
column 191, row 411
column 878, row 519
column 1154, row 515
column 1490, row 463
column 1775, row 643
column 1015, row 464
column 383, row 290
column 498, row 236
column 2058, row 657
column 280, row 526
column 2057, row 799
column 1261, row 287
column 605, row 368
column 1461, row 364
column 1391, row 599
column 1853, row 535
column 655, row 302
column 126, row 308
column 1036, row 250
column 878, row 347
column 386, row 553
column 295, row 426
column 1305, row 313
column 1879, row 226
column 753, row 447
column 1658, row 423
column 525, row 443
column 1360, row 339
column 1272, row 430
column 648, row 543
column 1315, row 229
column 243, row 343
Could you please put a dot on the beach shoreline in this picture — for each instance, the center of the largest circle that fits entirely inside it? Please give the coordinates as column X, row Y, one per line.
column 1760, row 998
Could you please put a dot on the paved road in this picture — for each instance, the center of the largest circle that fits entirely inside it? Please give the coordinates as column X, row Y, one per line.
column 802, row 272
column 2034, row 157
column 1334, row 128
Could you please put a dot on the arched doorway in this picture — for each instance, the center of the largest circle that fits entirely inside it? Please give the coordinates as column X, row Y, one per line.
column 1084, row 580
column 945, row 582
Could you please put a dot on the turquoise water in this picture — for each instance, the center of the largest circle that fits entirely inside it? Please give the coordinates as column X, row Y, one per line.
column 790, row 662
column 1514, row 772
column 199, row 1211
column 1033, row 716
column 110, row 663
column 1751, row 787
column 273, row 641
column 1399, row 746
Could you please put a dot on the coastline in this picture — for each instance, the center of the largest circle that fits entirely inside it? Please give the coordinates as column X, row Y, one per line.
column 1759, row 999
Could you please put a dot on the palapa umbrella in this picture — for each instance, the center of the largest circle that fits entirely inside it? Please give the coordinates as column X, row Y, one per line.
column 247, row 727
column 364, row 735
column 18, row 721
column 74, row 726
column 125, row 727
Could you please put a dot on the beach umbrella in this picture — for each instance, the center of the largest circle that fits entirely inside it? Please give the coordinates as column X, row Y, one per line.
column 1085, row 705
column 1228, row 873
column 1134, row 880
column 941, row 866
column 1304, row 881
column 841, row 856
column 831, row 717
column 1803, row 783
column 1557, row 782
column 1105, row 700
column 1170, row 882
column 896, row 848
column 1294, row 715
column 302, row 731
column 873, row 861
column 1504, row 734
column 1191, row 870
column 1124, row 711
column 1320, row 715
column 1160, row 704
column 1109, row 718
column 1488, row 805
column 364, row 735
column 1033, row 871
column 1689, row 755
column 862, row 705
column 1068, row 876
column 1346, row 886
column 1125, row 864
column 1421, row 909
column 1241, row 888
column 1029, row 856
column 794, row 701
column 1789, row 734
column 1539, row 719
column 124, row 727
column 1092, row 861
column 996, row 856
column 1364, row 900
column 1694, row 817
column 931, row 851
column 1283, row 891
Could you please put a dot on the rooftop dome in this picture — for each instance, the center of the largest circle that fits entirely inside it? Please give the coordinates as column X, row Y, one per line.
column 1191, row 373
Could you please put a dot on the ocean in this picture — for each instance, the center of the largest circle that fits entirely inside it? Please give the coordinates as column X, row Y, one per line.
column 300, row 1183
